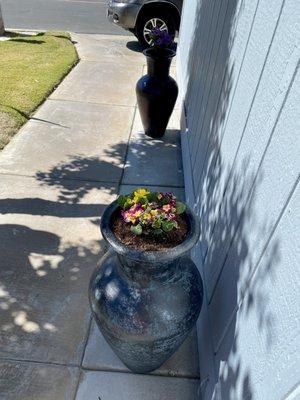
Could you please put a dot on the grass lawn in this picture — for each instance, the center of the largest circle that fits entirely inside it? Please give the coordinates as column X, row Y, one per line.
column 30, row 67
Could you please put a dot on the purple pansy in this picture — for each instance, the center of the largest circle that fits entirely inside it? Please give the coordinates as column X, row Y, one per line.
column 160, row 38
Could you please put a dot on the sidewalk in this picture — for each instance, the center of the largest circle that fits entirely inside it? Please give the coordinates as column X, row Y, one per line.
column 83, row 146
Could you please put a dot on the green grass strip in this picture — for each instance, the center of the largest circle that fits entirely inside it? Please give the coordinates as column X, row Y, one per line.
column 30, row 68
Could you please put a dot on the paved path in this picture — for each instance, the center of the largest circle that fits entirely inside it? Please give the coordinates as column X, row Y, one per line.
column 83, row 146
column 84, row 16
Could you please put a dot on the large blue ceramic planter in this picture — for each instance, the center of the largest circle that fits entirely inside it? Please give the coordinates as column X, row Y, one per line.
column 145, row 303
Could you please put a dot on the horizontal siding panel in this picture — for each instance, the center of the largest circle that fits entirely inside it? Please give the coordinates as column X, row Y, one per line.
column 281, row 164
column 264, row 27
column 257, row 136
column 202, row 39
column 241, row 141
column 198, row 107
column 262, row 344
column 230, row 70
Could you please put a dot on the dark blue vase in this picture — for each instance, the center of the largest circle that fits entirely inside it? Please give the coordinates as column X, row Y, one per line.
column 145, row 303
column 157, row 92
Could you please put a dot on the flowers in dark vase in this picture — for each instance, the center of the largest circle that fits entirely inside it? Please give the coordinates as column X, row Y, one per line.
column 144, row 276
column 152, row 212
column 157, row 91
column 160, row 39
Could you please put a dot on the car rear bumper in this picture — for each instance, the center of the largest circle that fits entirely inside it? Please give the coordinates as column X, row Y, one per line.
column 123, row 14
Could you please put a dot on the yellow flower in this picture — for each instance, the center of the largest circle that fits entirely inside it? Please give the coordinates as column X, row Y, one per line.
column 154, row 212
column 140, row 193
column 147, row 216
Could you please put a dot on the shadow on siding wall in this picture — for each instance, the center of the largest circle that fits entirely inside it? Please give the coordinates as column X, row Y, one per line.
column 225, row 209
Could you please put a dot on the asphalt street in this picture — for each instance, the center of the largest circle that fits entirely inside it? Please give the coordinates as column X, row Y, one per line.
column 82, row 16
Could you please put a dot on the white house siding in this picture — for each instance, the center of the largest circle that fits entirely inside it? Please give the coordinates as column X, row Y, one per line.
column 239, row 82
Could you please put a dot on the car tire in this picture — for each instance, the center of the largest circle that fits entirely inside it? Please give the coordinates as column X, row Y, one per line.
column 145, row 22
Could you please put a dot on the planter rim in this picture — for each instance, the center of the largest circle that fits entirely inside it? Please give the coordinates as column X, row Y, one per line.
column 149, row 256
column 165, row 53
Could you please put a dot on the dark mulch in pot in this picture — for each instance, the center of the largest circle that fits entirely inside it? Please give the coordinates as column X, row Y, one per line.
column 148, row 241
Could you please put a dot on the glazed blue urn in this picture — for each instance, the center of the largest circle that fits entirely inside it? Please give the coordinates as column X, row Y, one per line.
column 145, row 303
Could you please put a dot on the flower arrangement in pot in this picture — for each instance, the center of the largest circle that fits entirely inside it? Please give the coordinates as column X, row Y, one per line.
column 160, row 40
column 146, row 294
column 150, row 221
column 157, row 91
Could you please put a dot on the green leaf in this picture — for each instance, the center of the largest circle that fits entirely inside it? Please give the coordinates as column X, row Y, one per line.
column 142, row 200
column 180, row 207
column 164, row 201
column 168, row 225
column 122, row 200
column 137, row 229
column 152, row 197
column 156, row 224
column 158, row 232
column 127, row 204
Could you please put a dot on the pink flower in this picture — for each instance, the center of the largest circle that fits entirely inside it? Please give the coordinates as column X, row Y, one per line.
column 167, row 207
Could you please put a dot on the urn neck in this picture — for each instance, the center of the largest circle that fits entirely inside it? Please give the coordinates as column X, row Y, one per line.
column 159, row 62
column 158, row 68
column 143, row 272
column 149, row 262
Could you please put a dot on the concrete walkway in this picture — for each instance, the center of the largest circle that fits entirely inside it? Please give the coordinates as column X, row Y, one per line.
column 83, row 146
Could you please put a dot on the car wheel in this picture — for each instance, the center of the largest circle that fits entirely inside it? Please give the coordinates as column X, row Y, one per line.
column 151, row 21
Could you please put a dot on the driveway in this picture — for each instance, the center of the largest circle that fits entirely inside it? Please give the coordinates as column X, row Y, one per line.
column 84, row 16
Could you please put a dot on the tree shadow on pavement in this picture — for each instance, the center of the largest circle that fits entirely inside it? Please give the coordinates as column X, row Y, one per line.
column 48, row 257
column 44, row 307
column 79, row 175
